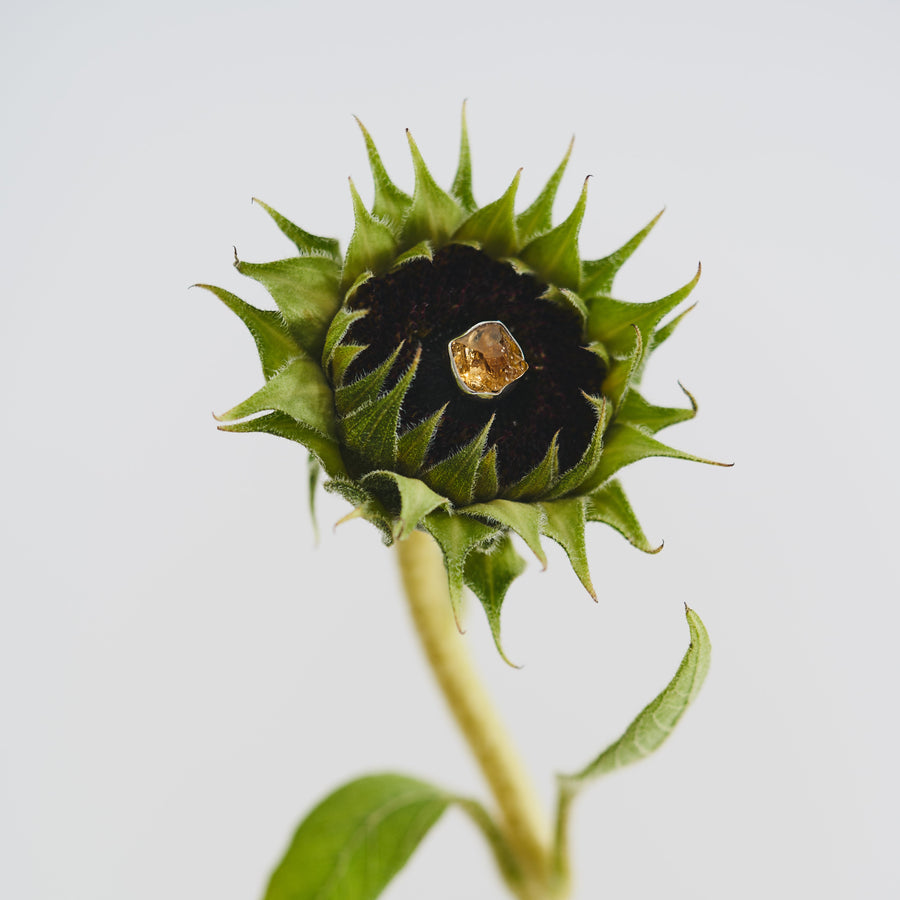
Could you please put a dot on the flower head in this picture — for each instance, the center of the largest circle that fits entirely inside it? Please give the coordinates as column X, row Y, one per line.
column 463, row 371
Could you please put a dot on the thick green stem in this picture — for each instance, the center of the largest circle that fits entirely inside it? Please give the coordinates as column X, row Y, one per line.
column 522, row 820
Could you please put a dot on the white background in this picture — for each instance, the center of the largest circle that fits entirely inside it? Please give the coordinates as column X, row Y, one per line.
column 182, row 674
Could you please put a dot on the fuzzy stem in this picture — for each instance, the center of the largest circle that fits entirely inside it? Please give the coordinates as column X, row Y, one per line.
column 522, row 820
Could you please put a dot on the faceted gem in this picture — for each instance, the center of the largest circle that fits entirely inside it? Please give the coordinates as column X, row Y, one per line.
column 486, row 360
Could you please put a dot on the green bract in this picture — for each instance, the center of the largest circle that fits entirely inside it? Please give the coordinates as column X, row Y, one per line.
column 357, row 371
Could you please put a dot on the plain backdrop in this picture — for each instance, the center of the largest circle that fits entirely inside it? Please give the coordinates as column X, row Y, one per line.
column 183, row 673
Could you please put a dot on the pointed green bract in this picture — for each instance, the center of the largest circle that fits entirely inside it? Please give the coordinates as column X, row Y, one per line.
column 422, row 250
column 611, row 321
column 342, row 320
column 434, row 214
column 598, row 274
column 371, row 429
column 554, row 255
column 307, row 244
column 608, row 504
column 564, row 523
column 457, row 536
column 625, row 445
column 540, row 479
column 522, row 518
column 366, row 388
column 569, row 301
column 413, row 444
column 366, row 506
column 489, row 573
column 572, row 480
column 282, row 425
column 390, row 202
column 462, row 183
column 493, row 226
column 538, row 217
column 486, row 481
column 664, row 332
column 341, row 357
column 273, row 341
column 658, row 719
column 638, row 413
column 455, row 476
column 622, row 370
column 300, row 390
column 372, row 247
column 413, row 498
column 305, row 289
column 313, row 470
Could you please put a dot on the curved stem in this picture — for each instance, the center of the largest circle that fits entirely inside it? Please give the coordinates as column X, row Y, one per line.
column 522, row 820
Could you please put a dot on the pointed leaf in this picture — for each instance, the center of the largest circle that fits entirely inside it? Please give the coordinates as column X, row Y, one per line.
column 625, row 445
column 414, row 443
column 422, row 250
column 307, row 244
column 611, row 321
column 371, row 430
column 581, row 472
column 554, row 255
column 489, row 573
column 366, row 388
column 313, row 470
column 493, row 226
column 341, row 357
column 622, row 370
column 538, row 217
column 282, row 425
column 273, row 341
column 658, row 719
column 564, row 523
column 598, row 274
column 434, row 214
column 522, row 518
column 457, row 536
column 366, row 506
column 305, row 289
column 568, row 301
column 540, row 479
column 412, row 497
column 390, row 202
column 462, row 183
column 337, row 330
column 608, row 504
column 637, row 412
column 665, row 331
column 300, row 390
column 486, row 482
column 357, row 839
column 372, row 247
column 455, row 476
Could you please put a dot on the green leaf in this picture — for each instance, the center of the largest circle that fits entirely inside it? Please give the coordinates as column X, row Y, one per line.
column 282, row 425
column 273, row 341
column 487, row 483
column 300, row 390
column 664, row 332
column 366, row 506
column 612, row 321
column 636, row 411
column 414, row 443
column 434, row 214
column 564, row 523
column 493, row 226
column 622, row 370
column 489, row 573
column 337, row 330
column 608, row 504
column 455, row 476
column 625, row 445
column 657, row 720
column 462, row 183
column 598, row 274
column 523, row 518
column 357, row 839
column 305, row 289
column 390, row 202
column 554, row 255
column 372, row 247
column 572, row 480
column 366, row 388
column 569, row 302
column 538, row 217
column 457, row 536
column 540, row 479
column 313, row 470
column 422, row 250
column 307, row 244
column 412, row 497
column 371, row 429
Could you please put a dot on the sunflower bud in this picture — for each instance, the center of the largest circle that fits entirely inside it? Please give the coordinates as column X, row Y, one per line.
column 460, row 369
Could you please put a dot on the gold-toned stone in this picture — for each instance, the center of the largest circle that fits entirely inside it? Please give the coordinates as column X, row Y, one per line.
column 486, row 360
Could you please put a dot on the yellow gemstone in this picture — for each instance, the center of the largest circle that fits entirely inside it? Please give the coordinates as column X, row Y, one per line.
column 487, row 359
